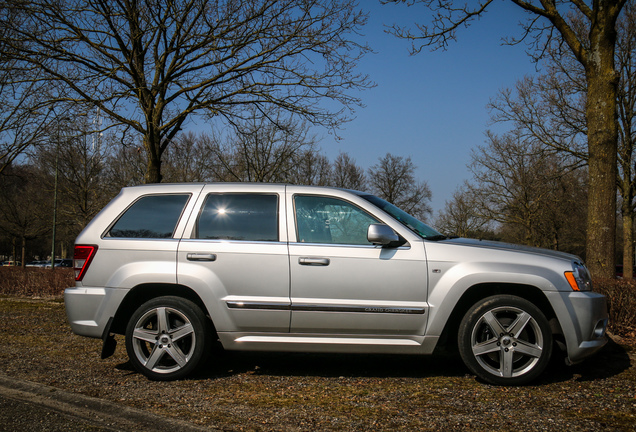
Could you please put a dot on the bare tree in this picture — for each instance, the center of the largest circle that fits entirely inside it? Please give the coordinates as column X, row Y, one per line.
column 461, row 217
column 393, row 179
column 626, row 60
column 152, row 64
column 21, row 123
column 263, row 148
column 76, row 155
column 125, row 166
column 346, row 174
column 186, row 159
column 551, row 110
column 24, row 211
column 530, row 192
column 310, row 167
column 594, row 50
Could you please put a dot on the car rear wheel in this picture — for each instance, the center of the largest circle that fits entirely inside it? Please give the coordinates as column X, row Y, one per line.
column 505, row 340
column 167, row 338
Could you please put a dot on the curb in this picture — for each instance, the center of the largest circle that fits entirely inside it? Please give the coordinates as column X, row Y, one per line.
column 99, row 412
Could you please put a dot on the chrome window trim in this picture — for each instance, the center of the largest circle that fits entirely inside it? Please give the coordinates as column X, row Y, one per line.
column 345, row 245
column 221, row 241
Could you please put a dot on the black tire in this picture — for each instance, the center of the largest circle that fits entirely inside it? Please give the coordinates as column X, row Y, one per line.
column 505, row 340
column 167, row 338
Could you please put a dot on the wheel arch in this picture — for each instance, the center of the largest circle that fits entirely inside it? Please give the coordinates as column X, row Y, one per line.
column 481, row 291
column 148, row 291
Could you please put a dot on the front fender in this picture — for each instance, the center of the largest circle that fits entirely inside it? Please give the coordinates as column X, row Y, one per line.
column 448, row 285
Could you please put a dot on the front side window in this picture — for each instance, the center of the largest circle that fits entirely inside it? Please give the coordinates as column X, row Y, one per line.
column 331, row 221
column 152, row 216
column 245, row 217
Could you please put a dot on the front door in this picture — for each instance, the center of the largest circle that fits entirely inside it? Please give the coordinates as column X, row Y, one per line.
column 341, row 283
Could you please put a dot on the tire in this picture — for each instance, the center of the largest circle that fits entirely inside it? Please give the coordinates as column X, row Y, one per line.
column 505, row 340
column 167, row 338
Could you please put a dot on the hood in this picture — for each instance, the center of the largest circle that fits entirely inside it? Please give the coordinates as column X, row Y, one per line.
column 488, row 244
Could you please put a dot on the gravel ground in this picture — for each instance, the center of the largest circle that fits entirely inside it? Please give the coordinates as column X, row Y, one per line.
column 299, row 392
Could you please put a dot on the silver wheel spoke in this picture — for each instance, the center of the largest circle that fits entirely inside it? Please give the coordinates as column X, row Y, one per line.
column 493, row 323
column 486, row 347
column 155, row 356
column 145, row 335
column 528, row 349
column 183, row 331
column 506, row 364
column 177, row 355
column 162, row 320
column 519, row 324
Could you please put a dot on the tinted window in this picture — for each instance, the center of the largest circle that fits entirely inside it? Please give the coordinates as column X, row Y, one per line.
column 248, row 217
column 330, row 220
column 153, row 216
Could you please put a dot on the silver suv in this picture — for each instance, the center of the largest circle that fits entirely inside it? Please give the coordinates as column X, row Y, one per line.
column 177, row 267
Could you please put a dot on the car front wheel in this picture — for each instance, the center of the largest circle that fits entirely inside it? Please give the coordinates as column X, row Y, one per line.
column 167, row 338
column 505, row 340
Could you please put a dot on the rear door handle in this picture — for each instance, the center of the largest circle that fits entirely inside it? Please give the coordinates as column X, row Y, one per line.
column 313, row 261
column 201, row 257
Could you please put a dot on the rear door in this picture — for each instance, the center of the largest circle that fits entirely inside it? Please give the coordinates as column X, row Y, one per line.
column 236, row 254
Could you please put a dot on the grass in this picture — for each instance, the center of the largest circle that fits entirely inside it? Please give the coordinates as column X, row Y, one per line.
column 287, row 392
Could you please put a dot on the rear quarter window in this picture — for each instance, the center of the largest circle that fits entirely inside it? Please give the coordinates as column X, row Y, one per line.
column 152, row 216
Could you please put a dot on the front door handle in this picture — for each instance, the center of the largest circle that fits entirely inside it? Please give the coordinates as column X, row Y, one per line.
column 313, row 261
column 201, row 257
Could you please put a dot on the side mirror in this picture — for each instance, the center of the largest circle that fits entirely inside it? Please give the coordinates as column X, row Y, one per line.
column 380, row 234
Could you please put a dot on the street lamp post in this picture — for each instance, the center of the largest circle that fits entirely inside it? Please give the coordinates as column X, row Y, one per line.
column 57, row 159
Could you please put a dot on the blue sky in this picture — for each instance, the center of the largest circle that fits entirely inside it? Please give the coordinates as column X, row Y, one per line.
column 432, row 106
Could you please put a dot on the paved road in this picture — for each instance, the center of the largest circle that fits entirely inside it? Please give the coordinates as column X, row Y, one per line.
column 27, row 406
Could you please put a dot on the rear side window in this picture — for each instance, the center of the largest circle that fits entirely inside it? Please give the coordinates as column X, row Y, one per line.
column 152, row 216
column 246, row 217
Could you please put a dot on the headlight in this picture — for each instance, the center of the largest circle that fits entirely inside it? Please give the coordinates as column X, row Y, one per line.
column 579, row 278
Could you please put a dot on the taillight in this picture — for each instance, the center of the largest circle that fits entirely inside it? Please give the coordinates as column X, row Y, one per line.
column 82, row 258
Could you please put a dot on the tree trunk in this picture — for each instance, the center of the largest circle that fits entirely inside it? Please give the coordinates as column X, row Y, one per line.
column 628, row 240
column 153, row 174
column 153, row 151
column 602, row 80
column 23, row 254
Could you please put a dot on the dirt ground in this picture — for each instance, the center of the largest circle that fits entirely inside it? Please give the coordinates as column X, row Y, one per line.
column 300, row 392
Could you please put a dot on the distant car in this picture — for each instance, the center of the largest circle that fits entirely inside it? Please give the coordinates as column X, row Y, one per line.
column 59, row 262
column 37, row 264
column 619, row 271
column 175, row 267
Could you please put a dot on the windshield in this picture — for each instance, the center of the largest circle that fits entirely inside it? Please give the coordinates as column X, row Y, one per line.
column 419, row 228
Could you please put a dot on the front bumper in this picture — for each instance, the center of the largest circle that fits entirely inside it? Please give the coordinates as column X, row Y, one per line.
column 583, row 318
column 89, row 309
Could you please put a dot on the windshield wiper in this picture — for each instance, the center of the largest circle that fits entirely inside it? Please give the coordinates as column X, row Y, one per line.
column 436, row 237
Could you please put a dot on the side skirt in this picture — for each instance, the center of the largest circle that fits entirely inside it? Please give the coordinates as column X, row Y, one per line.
column 286, row 342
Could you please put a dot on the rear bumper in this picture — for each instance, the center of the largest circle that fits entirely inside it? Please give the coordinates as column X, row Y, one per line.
column 583, row 318
column 89, row 309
